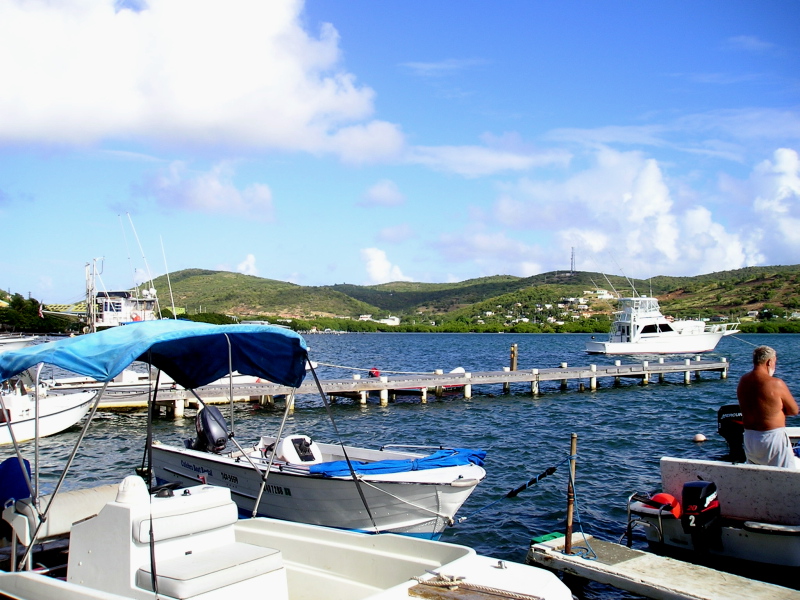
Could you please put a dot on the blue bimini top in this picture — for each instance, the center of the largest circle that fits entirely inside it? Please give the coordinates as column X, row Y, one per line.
column 193, row 354
column 443, row 458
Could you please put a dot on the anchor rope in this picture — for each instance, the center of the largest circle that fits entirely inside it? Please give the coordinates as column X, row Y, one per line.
column 745, row 341
column 513, row 493
column 452, row 582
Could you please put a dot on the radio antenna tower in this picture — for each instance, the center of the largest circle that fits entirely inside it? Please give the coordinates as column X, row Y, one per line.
column 572, row 262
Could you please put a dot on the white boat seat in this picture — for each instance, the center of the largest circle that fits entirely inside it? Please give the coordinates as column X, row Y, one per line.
column 196, row 554
column 190, row 575
column 68, row 509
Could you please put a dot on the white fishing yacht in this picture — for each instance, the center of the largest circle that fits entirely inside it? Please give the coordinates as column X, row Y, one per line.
column 640, row 328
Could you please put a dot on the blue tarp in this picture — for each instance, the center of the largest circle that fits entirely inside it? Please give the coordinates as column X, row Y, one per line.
column 443, row 458
column 193, row 354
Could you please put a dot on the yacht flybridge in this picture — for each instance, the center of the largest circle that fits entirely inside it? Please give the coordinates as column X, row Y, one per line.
column 640, row 328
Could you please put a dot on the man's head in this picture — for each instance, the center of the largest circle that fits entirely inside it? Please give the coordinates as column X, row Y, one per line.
column 762, row 355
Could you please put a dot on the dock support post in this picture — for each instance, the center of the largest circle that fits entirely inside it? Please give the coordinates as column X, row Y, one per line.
column 362, row 395
column 384, row 393
column 573, row 450
column 617, row 363
column 506, row 384
column 645, row 374
column 179, row 408
column 697, row 373
column 438, row 390
column 661, row 375
column 563, row 381
column 593, row 378
column 468, row 386
column 535, row 382
column 423, row 396
column 687, row 375
column 724, row 373
column 513, row 362
column 266, row 400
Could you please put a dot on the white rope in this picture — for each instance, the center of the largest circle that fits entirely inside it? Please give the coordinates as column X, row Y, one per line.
column 422, row 508
column 455, row 582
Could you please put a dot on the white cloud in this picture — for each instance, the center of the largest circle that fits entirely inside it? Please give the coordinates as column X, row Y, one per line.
column 477, row 161
column 383, row 193
column 443, row 67
column 248, row 265
column 396, row 233
column 776, row 205
column 493, row 253
column 211, row 192
column 379, row 268
column 750, row 43
column 181, row 72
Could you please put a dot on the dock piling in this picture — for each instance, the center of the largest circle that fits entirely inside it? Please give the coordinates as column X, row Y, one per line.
column 593, row 378
column 573, row 449
column 563, row 381
column 506, row 384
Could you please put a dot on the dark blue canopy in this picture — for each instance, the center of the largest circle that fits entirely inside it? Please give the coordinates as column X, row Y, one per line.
column 442, row 458
column 193, row 354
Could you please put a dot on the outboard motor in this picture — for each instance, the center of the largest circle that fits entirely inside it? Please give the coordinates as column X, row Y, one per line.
column 730, row 427
column 212, row 435
column 701, row 514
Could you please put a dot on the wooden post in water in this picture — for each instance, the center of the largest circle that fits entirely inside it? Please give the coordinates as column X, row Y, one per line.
column 646, row 375
column 617, row 363
column 593, row 378
column 573, row 448
column 468, row 386
column 697, row 373
column 687, row 375
column 506, row 384
column 438, row 390
column 513, row 362
column 661, row 375
column 535, row 382
column 384, row 393
column 724, row 374
column 563, row 381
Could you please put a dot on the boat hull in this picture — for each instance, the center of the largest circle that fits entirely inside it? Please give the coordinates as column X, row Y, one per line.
column 418, row 503
column 57, row 413
column 677, row 344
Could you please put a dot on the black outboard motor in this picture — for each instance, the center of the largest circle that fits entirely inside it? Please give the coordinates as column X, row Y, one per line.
column 701, row 514
column 730, row 427
column 212, row 435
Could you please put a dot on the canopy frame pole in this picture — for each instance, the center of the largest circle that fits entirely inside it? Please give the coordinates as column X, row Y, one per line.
column 36, row 429
column 43, row 516
column 286, row 412
column 356, row 480
column 230, row 379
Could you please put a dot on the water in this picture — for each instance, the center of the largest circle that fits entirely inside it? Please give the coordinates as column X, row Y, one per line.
column 622, row 431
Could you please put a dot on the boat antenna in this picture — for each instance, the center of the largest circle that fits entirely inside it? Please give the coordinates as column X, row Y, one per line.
column 146, row 266
column 635, row 293
column 128, row 252
column 169, row 284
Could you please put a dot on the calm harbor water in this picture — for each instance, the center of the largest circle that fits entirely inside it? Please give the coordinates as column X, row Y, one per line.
column 622, row 431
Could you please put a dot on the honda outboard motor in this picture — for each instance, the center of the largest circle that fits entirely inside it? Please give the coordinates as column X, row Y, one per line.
column 730, row 427
column 212, row 435
column 701, row 514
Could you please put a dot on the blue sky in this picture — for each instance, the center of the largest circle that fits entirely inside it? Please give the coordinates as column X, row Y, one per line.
column 365, row 142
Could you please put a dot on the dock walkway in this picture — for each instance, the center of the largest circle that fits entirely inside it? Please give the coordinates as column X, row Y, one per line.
column 651, row 575
column 388, row 387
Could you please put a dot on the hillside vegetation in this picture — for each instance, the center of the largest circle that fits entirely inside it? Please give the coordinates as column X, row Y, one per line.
column 775, row 290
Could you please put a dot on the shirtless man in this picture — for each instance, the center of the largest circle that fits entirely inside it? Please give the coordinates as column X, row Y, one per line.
column 765, row 402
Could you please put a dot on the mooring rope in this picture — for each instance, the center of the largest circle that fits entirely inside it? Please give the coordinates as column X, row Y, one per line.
column 370, row 369
column 417, row 506
column 586, row 552
column 533, row 480
column 745, row 341
column 455, row 582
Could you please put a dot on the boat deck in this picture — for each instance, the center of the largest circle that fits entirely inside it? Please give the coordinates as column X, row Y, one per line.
column 650, row 575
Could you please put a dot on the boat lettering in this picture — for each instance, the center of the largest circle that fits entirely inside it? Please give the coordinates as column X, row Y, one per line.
column 277, row 490
column 231, row 478
column 196, row 468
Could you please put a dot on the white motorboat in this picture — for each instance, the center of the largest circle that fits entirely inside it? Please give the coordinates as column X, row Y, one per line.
column 125, row 542
column 56, row 412
column 724, row 508
column 640, row 328
column 15, row 342
column 310, row 482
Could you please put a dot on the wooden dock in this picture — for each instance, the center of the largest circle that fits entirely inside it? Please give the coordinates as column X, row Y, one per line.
column 651, row 575
column 389, row 387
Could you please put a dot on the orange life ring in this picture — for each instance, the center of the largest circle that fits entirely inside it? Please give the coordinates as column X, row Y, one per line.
column 136, row 317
